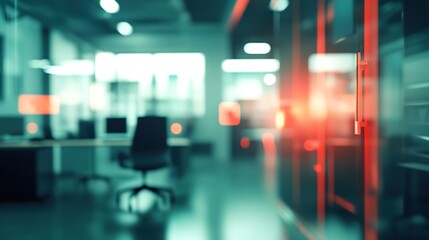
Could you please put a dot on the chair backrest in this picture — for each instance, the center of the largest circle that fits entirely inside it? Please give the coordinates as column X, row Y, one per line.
column 150, row 135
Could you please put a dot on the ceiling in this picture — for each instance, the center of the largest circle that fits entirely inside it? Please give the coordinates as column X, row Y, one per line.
column 86, row 19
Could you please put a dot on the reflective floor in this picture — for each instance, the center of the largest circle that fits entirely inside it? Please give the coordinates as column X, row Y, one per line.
column 215, row 201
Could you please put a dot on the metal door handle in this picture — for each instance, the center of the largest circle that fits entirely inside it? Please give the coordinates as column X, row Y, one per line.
column 360, row 66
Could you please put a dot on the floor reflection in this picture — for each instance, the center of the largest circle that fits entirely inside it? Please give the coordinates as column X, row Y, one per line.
column 214, row 201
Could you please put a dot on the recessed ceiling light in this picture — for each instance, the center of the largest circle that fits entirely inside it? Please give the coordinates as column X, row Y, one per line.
column 257, row 48
column 110, row 6
column 124, row 28
column 279, row 5
column 250, row 65
column 270, row 79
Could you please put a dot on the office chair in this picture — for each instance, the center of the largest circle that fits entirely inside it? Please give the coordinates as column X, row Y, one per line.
column 149, row 151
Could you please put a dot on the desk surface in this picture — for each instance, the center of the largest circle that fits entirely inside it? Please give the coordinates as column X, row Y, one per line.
column 172, row 142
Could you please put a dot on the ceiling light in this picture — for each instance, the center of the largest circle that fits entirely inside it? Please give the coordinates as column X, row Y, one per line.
column 250, row 65
column 257, row 48
column 124, row 28
column 332, row 62
column 110, row 6
column 39, row 63
column 279, row 5
column 72, row 68
column 270, row 79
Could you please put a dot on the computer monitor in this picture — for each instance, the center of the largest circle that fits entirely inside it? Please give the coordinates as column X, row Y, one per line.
column 116, row 125
column 86, row 129
column 11, row 126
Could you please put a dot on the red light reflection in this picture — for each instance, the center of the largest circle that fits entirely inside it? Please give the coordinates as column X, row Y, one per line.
column 176, row 128
column 269, row 143
column 32, row 127
column 38, row 104
column 310, row 145
column 229, row 114
column 244, row 142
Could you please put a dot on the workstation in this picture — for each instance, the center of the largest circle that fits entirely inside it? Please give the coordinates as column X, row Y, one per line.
column 43, row 157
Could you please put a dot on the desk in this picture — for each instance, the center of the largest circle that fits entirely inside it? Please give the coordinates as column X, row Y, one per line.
column 35, row 180
column 172, row 142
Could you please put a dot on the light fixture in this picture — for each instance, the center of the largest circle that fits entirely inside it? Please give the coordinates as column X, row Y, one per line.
column 257, row 48
column 110, row 6
column 250, row 65
column 124, row 28
column 270, row 79
column 332, row 62
column 72, row 68
column 105, row 66
column 279, row 5
column 39, row 63
column 29, row 104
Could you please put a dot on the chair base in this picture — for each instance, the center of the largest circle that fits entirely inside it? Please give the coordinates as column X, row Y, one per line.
column 163, row 193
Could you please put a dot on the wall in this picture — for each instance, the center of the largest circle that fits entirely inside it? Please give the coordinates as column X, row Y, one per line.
column 22, row 43
column 73, row 93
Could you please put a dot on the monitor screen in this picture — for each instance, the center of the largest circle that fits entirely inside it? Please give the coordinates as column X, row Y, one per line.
column 116, row 125
column 86, row 129
column 11, row 126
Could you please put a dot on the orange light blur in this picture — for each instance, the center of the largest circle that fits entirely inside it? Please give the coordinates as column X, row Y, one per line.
column 310, row 145
column 229, row 114
column 297, row 111
column 32, row 127
column 244, row 142
column 176, row 128
column 38, row 104
column 345, row 204
column 318, row 106
column 269, row 143
column 237, row 12
column 317, row 168
column 280, row 119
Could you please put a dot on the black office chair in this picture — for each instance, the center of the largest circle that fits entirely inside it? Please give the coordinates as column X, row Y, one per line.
column 149, row 151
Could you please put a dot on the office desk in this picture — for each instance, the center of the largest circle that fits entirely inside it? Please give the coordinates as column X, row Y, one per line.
column 26, row 168
column 172, row 142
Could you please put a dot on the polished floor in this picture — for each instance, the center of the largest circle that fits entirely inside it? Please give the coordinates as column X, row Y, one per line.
column 215, row 201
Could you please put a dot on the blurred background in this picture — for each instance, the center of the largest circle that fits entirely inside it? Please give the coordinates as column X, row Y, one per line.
column 260, row 119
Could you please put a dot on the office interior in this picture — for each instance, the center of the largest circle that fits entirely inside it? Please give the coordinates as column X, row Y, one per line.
column 257, row 119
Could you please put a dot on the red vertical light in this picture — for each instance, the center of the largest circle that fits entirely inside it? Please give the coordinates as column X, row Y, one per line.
column 371, row 170
column 296, row 109
column 321, row 126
